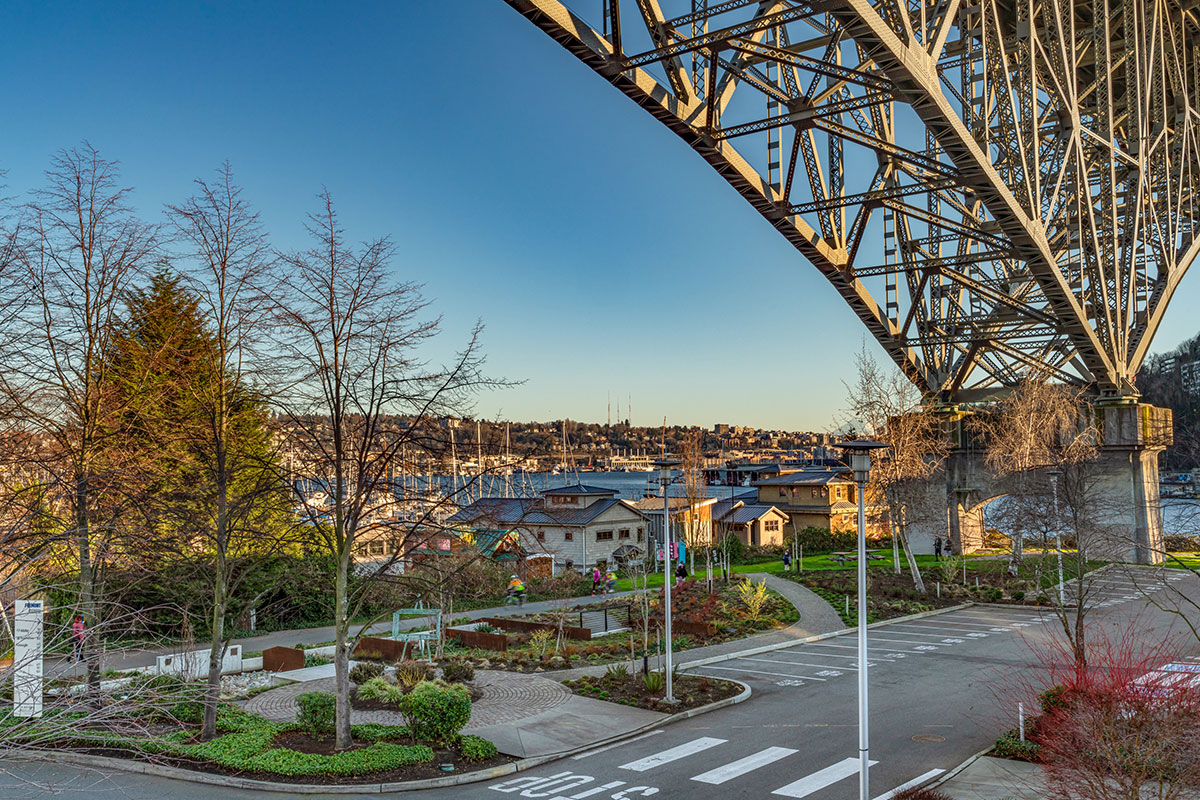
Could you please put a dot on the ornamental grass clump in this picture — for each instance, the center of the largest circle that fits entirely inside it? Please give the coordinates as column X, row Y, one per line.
column 754, row 597
column 436, row 711
column 409, row 673
column 380, row 689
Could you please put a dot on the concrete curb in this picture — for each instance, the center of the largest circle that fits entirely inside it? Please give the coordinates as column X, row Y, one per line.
column 226, row 781
column 819, row 637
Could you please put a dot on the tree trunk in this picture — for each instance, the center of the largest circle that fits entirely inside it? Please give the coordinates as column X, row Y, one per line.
column 87, row 590
column 341, row 653
column 212, row 687
column 918, row 581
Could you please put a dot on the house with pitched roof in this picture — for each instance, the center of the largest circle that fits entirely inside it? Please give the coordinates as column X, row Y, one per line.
column 823, row 497
column 578, row 526
column 753, row 523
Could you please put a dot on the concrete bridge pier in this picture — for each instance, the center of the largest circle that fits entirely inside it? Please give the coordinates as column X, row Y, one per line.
column 1126, row 506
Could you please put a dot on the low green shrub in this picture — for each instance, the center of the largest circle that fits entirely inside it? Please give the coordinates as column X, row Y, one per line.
column 313, row 660
column 995, row 595
column 317, row 712
column 1018, row 595
column 458, row 671
column 920, row 793
column 378, row 688
column 475, row 748
column 1054, row 697
column 189, row 712
column 436, row 711
column 1010, row 746
column 363, row 671
column 654, row 681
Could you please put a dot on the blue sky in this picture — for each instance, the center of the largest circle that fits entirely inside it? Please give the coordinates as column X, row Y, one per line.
column 602, row 254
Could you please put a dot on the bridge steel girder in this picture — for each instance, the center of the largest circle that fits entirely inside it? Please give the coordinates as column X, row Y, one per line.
column 561, row 24
column 1061, row 177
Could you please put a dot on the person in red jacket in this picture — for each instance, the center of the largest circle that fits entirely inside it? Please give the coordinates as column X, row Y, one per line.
column 77, row 632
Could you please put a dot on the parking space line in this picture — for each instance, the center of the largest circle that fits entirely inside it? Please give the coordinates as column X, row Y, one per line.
column 762, row 672
column 821, row 666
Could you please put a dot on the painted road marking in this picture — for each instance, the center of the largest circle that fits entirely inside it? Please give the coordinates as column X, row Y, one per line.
column 744, row 765
column 761, row 672
column 673, row 754
column 616, row 744
column 821, row 778
column 917, row 781
column 825, row 668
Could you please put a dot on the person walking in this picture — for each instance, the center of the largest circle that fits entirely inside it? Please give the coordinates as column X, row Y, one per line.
column 596, row 578
column 680, row 573
column 787, row 561
column 937, row 549
column 610, row 582
column 77, row 632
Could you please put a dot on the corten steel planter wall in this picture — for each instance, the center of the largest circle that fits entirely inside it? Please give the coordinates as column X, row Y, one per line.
column 522, row 626
column 485, row 641
column 385, row 649
column 282, row 659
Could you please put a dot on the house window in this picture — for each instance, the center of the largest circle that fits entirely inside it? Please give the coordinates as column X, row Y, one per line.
column 782, row 492
column 814, row 492
column 623, row 533
column 772, row 524
column 569, row 536
column 604, row 536
column 564, row 500
column 375, row 548
column 541, row 536
column 641, row 535
column 841, row 493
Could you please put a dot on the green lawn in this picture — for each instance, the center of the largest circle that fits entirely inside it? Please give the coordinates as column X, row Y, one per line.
column 1183, row 561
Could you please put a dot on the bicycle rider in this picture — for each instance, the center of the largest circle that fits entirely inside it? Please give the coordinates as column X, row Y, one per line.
column 516, row 589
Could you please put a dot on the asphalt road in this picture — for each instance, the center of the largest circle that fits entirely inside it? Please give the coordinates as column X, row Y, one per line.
column 942, row 687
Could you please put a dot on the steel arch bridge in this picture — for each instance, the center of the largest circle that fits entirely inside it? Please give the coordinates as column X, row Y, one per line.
column 1023, row 173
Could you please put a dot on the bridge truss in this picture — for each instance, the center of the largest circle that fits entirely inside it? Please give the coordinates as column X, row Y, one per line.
column 993, row 186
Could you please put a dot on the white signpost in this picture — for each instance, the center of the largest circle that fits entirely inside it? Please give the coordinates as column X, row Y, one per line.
column 27, row 658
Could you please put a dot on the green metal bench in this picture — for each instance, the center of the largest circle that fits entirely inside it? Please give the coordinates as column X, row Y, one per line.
column 420, row 638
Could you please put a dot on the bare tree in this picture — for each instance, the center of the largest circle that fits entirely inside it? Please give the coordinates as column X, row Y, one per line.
column 78, row 253
column 892, row 407
column 1039, row 428
column 231, row 272
column 354, row 338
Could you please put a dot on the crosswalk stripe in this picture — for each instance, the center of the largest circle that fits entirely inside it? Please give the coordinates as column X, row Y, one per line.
column 821, row 778
column 917, row 781
column 744, row 765
column 673, row 754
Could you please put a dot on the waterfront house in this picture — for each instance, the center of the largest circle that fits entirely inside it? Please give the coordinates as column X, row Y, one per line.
column 824, row 497
column 690, row 519
column 577, row 526
column 753, row 523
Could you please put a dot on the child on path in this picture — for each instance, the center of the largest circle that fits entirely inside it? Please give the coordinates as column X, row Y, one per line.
column 77, row 632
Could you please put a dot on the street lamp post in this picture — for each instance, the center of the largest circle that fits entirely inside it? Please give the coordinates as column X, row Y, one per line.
column 860, row 462
column 665, row 465
column 1054, row 473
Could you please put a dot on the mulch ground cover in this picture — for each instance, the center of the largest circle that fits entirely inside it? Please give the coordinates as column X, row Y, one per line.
column 690, row 691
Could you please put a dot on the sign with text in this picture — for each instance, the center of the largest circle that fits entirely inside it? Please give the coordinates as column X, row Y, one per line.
column 27, row 658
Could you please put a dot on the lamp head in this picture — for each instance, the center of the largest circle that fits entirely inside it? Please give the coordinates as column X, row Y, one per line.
column 664, row 467
column 860, row 457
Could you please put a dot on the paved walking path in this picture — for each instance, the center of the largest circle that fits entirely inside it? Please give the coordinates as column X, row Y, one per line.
column 816, row 617
column 291, row 638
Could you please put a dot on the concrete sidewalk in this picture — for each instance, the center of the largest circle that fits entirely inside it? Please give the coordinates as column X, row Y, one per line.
column 290, row 638
column 989, row 778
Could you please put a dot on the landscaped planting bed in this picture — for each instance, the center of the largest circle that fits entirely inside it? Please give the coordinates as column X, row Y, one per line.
column 648, row 690
column 246, row 745
column 730, row 613
column 890, row 595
